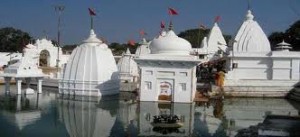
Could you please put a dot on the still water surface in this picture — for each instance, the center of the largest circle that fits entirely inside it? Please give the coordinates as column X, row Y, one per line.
column 51, row 115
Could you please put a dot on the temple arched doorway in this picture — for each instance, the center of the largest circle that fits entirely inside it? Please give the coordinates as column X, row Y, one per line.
column 44, row 60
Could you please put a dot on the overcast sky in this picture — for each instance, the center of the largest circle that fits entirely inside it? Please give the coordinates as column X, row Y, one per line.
column 121, row 20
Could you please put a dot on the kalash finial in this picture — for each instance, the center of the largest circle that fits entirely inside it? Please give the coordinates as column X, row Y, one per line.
column 249, row 15
column 171, row 26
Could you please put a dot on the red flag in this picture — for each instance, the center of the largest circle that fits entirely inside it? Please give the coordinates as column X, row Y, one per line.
column 92, row 12
column 162, row 24
column 172, row 11
column 131, row 42
column 142, row 33
column 217, row 18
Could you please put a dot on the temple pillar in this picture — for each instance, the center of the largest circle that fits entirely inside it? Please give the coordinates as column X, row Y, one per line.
column 19, row 85
column 27, row 80
column 28, row 90
column 40, row 80
column 18, row 102
column 7, row 84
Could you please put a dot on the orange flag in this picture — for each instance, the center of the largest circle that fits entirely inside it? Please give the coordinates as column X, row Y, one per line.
column 131, row 42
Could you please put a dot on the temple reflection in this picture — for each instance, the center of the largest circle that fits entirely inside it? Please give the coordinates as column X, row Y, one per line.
column 94, row 116
column 147, row 111
column 119, row 116
column 24, row 110
column 245, row 112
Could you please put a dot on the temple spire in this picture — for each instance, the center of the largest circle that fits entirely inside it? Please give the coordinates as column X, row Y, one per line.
column 248, row 5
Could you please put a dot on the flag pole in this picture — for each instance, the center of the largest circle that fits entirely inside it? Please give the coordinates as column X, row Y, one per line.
column 199, row 39
column 171, row 22
column 92, row 22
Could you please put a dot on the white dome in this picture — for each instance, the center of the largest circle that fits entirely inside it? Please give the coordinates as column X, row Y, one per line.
column 91, row 69
column 170, row 44
column 127, row 66
column 215, row 39
column 250, row 37
column 143, row 48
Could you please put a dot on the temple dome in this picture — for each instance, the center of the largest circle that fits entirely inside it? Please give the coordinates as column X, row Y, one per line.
column 250, row 37
column 215, row 40
column 170, row 44
column 143, row 48
column 91, row 69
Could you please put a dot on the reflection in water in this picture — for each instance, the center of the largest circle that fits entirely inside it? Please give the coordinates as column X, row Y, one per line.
column 242, row 113
column 94, row 117
column 48, row 115
column 150, row 109
column 23, row 110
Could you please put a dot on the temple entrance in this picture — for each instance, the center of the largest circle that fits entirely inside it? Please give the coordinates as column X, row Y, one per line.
column 165, row 91
column 44, row 58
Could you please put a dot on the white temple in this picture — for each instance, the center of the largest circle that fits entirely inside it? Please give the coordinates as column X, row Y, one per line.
column 213, row 45
column 128, row 69
column 91, row 70
column 143, row 48
column 25, row 68
column 49, row 53
column 255, row 70
column 168, row 72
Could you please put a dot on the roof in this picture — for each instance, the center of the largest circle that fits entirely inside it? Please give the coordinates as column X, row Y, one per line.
column 250, row 37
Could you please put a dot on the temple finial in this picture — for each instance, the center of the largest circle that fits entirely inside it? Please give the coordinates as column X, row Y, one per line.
column 171, row 26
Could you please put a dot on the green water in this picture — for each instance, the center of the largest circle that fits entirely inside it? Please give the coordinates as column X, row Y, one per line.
column 52, row 115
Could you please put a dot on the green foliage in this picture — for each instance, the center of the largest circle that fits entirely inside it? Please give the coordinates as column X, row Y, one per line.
column 291, row 35
column 66, row 48
column 13, row 40
column 195, row 36
column 118, row 49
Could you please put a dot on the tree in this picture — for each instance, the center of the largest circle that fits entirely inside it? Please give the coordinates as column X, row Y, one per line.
column 291, row 35
column 195, row 36
column 275, row 38
column 119, row 49
column 13, row 40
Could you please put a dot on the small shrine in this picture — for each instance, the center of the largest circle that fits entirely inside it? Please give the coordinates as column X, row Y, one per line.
column 24, row 69
column 128, row 68
column 143, row 48
column 283, row 46
column 168, row 73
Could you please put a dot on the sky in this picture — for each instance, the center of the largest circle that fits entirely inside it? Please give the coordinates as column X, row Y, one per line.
column 121, row 20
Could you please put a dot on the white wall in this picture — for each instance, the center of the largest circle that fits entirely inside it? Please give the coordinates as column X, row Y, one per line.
column 275, row 66
column 175, row 76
